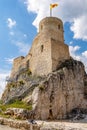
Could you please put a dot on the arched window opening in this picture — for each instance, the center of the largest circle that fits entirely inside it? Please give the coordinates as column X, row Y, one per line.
column 59, row 26
column 41, row 27
column 42, row 47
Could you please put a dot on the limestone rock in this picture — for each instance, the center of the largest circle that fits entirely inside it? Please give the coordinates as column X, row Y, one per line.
column 18, row 113
column 54, row 96
column 61, row 91
column 28, row 99
column 16, row 91
column 35, row 97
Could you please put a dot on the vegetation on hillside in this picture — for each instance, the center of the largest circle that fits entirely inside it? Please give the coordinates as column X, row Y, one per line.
column 15, row 104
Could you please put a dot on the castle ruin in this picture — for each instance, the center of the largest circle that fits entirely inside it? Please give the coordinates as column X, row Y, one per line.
column 47, row 51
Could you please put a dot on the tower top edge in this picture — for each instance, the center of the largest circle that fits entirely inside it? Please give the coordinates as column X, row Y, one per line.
column 50, row 19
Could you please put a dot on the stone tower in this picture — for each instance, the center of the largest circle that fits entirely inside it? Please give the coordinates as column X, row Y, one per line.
column 48, row 48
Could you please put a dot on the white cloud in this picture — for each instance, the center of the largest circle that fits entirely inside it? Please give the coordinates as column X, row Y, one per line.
column 23, row 47
column 9, row 60
column 73, row 52
column 79, row 28
column 71, row 11
column 3, row 75
column 12, row 33
column 84, row 54
column 82, row 57
column 11, row 23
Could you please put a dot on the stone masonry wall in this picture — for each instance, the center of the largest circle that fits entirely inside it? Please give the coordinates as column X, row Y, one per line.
column 52, row 27
column 47, row 50
column 41, row 63
column 59, row 53
column 19, row 64
column 16, row 64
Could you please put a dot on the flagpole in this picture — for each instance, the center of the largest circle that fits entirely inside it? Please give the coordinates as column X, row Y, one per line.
column 51, row 7
column 50, row 12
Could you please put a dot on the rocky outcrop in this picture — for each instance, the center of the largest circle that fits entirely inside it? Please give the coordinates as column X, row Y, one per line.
column 62, row 91
column 17, row 113
column 19, row 87
column 55, row 95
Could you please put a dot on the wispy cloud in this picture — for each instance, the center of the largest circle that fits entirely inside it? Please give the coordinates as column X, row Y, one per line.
column 12, row 33
column 71, row 42
column 25, row 35
column 23, row 47
column 9, row 60
column 11, row 23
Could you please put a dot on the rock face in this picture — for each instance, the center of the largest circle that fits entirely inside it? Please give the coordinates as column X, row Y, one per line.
column 19, row 88
column 62, row 91
column 57, row 94
column 17, row 113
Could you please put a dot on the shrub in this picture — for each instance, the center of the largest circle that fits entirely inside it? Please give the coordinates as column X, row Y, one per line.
column 11, row 85
column 21, row 82
column 41, row 87
column 29, row 72
column 1, row 102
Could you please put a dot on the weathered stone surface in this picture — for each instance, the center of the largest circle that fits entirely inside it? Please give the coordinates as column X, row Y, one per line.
column 48, row 49
column 18, row 113
column 17, row 91
column 55, row 95
column 23, row 125
column 62, row 91
column 28, row 99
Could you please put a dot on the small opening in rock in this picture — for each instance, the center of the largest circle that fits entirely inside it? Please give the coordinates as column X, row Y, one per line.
column 50, row 114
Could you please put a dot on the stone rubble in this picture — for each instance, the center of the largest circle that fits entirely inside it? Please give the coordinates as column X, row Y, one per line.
column 17, row 113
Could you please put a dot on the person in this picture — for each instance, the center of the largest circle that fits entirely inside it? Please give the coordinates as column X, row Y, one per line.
column 32, row 121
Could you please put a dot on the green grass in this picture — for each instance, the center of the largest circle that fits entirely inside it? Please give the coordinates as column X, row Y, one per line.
column 16, row 104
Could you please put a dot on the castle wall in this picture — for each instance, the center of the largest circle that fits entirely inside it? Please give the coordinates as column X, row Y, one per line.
column 47, row 50
column 52, row 28
column 40, row 62
column 16, row 64
column 19, row 64
column 59, row 52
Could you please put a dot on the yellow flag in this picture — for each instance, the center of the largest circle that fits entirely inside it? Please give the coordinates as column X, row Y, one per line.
column 53, row 5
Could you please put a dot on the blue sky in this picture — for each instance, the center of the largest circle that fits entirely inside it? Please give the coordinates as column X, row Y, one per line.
column 19, row 21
